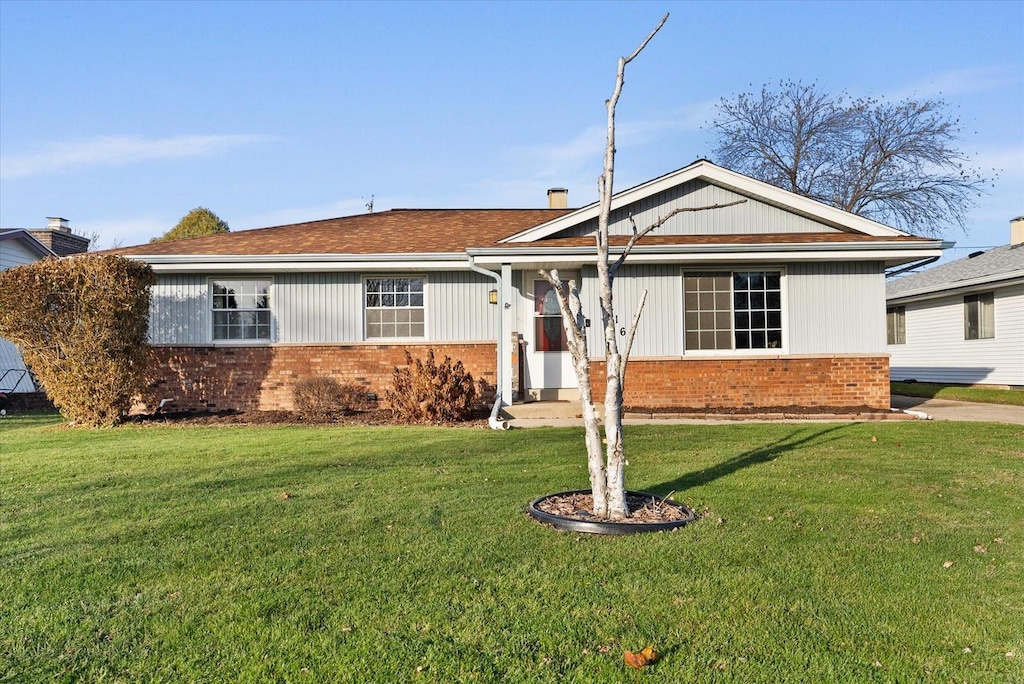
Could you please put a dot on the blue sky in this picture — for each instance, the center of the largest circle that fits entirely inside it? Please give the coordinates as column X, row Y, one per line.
column 124, row 116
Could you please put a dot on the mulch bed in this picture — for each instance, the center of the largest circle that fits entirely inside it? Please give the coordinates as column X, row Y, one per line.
column 642, row 508
column 354, row 419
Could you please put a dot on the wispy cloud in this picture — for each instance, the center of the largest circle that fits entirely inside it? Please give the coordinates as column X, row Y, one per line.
column 576, row 162
column 117, row 150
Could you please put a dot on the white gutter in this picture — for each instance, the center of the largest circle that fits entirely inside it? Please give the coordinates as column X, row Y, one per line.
column 495, row 422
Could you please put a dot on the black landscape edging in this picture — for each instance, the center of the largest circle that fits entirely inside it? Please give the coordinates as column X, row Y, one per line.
column 607, row 526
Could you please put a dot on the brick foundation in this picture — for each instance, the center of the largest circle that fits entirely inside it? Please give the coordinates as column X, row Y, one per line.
column 262, row 378
column 840, row 381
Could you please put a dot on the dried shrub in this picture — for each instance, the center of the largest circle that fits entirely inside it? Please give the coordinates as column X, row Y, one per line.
column 321, row 398
column 81, row 324
column 431, row 392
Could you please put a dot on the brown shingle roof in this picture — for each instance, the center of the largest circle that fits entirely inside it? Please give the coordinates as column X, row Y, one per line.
column 399, row 231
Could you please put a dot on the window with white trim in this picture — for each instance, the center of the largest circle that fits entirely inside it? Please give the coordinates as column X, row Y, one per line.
column 394, row 307
column 732, row 310
column 896, row 325
column 979, row 316
column 549, row 332
column 241, row 310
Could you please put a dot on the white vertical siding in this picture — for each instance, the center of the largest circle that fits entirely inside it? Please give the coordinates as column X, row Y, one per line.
column 936, row 350
column 323, row 308
column 179, row 310
column 750, row 217
column 660, row 331
column 457, row 306
column 317, row 307
column 835, row 308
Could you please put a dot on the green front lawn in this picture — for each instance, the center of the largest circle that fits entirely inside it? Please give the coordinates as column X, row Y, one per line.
column 983, row 395
column 403, row 554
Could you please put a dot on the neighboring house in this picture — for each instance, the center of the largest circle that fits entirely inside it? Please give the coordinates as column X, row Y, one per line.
column 961, row 322
column 17, row 247
column 776, row 301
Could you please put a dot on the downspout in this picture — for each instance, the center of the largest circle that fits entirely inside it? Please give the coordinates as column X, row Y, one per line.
column 495, row 422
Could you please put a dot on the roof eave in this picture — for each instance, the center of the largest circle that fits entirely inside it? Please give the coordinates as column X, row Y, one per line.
column 722, row 177
column 891, row 253
column 208, row 263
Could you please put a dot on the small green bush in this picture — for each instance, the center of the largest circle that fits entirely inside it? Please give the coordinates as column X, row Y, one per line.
column 428, row 392
column 321, row 398
column 81, row 323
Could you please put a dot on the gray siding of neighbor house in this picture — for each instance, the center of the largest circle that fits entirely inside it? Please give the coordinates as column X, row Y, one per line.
column 13, row 253
column 830, row 308
column 936, row 351
column 751, row 217
column 323, row 307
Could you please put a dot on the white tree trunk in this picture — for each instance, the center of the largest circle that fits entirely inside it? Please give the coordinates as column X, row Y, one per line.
column 607, row 466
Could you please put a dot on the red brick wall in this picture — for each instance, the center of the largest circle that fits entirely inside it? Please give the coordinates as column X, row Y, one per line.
column 261, row 378
column 763, row 382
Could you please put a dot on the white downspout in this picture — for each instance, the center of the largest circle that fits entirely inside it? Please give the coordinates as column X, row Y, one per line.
column 495, row 422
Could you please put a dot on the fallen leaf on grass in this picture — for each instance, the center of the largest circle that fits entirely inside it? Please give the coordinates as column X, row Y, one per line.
column 947, row 564
column 286, row 495
column 874, row 439
column 980, row 548
column 641, row 659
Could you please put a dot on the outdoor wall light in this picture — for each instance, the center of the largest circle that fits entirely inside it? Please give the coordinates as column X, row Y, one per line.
column 492, row 296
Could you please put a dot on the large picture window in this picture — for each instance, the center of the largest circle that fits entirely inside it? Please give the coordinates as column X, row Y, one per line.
column 896, row 325
column 733, row 310
column 241, row 309
column 979, row 316
column 394, row 307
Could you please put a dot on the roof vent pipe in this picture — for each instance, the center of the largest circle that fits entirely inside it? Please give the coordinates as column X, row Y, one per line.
column 558, row 198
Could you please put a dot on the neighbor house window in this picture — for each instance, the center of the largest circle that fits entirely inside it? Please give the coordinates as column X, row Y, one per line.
column 241, row 309
column 394, row 307
column 979, row 316
column 733, row 310
column 896, row 325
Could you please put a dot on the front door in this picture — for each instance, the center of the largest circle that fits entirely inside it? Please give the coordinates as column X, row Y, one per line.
column 548, row 361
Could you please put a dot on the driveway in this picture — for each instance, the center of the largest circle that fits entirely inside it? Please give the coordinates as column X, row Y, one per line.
column 944, row 409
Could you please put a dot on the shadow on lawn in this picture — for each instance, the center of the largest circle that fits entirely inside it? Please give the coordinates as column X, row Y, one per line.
column 764, row 454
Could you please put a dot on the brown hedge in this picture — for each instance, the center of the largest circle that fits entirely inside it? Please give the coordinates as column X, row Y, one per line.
column 81, row 324
column 430, row 392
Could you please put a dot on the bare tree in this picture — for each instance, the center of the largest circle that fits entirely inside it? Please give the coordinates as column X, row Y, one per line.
column 894, row 162
column 606, row 465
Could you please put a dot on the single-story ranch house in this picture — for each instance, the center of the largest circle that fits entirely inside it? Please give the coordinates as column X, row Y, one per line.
column 775, row 301
column 962, row 322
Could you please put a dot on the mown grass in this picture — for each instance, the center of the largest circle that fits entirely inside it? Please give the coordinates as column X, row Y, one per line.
column 169, row 554
column 983, row 395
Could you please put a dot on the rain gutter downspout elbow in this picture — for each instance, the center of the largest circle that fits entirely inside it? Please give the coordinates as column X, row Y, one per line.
column 495, row 422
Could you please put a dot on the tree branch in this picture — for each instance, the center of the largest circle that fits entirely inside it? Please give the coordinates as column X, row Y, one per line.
column 638, row 235
column 629, row 338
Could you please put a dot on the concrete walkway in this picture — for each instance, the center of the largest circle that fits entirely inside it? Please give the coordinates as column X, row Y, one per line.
column 944, row 409
column 566, row 414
